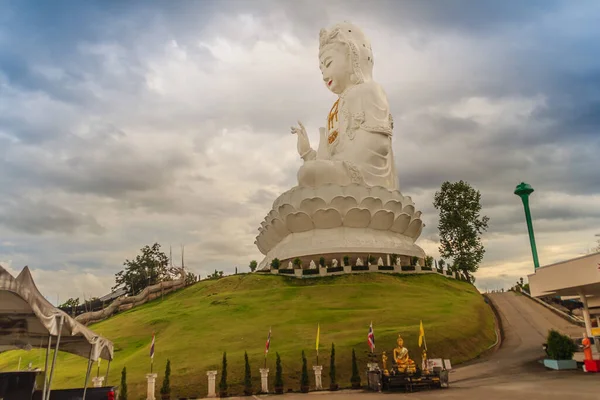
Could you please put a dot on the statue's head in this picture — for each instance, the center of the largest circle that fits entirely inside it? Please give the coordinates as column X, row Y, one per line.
column 345, row 57
column 400, row 341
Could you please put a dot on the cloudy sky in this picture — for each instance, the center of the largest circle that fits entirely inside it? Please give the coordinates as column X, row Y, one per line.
column 125, row 123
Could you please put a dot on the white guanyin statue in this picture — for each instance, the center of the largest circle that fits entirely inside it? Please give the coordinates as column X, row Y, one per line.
column 334, row 263
column 356, row 145
column 312, row 265
column 359, row 262
column 380, row 262
column 290, row 265
column 347, row 200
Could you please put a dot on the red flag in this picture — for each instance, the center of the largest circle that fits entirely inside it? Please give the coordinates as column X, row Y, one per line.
column 268, row 344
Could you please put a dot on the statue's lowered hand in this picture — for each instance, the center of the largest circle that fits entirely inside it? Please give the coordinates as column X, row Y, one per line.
column 303, row 142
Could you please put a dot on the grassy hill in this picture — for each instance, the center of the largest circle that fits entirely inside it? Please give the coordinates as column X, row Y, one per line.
column 196, row 325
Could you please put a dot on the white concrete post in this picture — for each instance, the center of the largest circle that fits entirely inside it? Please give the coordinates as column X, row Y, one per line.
column 586, row 314
column 318, row 369
column 212, row 378
column 264, row 380
column 388, row 259
column 97, row 381
column 151, row 382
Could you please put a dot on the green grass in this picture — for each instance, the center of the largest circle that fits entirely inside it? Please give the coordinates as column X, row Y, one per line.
column 196, row 325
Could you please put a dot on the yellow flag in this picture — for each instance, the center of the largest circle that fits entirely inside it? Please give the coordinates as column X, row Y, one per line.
column 421, row 334
column 318, row 332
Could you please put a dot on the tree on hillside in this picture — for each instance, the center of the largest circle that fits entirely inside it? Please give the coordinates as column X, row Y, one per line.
column 247, row 376
column 253, row 265
column 223, row 383
column 190, row 278
column 461, row 226
column 215, row 275
column 148, row 268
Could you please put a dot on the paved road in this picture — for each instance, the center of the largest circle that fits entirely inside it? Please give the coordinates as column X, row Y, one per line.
column 512, row 372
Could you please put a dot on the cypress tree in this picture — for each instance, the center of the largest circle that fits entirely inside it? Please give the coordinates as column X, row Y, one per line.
column 355, row 379
column 333, row 385
column 223, row 383
column 123, row 388
column 247, row 377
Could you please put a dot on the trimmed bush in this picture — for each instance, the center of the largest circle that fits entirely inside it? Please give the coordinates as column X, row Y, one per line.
column 123, row 387
column 247, row 376
column 304, row 378
column 355, row 379
column 288, row 271
column 165, row 390
column 335, row 269
column 223, row 383
column 560, row 347
column 322, row 261
column 333, row 383
column 346, row 260
column 360, row 268
column 275, row 263
column 310, row 272
column 426, row 269
column 278, row 375
column 386, row 268
column 408, row 268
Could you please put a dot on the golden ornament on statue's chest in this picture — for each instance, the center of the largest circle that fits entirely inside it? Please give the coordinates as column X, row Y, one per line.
column 332, row 120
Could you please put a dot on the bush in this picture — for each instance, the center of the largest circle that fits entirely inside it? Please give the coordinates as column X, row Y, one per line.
column 426, row 269
column 360, row 268
column 394, row 258
column 333, row 385
column 253, row 265
column 408, row 268
column 346, row 260
column 165, row 390
column 297, row 262
column 304, row 378
column 355, row 379
column 322, row 261
column 560, row 347
column 223, row 383
column 278, row 376
column 275, row 263
column 247, row 376
column 371, row 259
column 335, row 269
column 414, row 260
column 123, row 388
column 386, row 268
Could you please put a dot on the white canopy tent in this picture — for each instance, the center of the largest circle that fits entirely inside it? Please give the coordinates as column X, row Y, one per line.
column 28, row 320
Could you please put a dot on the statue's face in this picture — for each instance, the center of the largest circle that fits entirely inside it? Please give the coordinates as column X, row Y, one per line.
column 400, row 342
column 335, row 67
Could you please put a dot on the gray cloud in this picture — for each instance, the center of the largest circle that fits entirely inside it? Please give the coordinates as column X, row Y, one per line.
column 42, row 217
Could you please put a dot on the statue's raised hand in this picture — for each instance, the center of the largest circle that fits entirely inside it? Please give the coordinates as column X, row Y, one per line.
column 303, row 142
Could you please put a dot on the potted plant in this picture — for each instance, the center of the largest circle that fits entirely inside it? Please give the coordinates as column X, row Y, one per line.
column 333, row 385
column 355, row 379
column 394, row 258
column 278, row 375
column 247, row 376
column 304, row 378
column 165, row 390
column 297, row 263
column 223, row 383
column 346, row 260
column 414, row 260
column 560, row 350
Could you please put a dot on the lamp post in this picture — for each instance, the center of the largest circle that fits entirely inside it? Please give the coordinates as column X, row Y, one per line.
column 523, row 190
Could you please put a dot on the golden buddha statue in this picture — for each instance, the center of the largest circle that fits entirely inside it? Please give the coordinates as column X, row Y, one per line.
column 404, row 363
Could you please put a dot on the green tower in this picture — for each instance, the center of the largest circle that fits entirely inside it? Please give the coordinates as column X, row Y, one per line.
column 523, row 190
